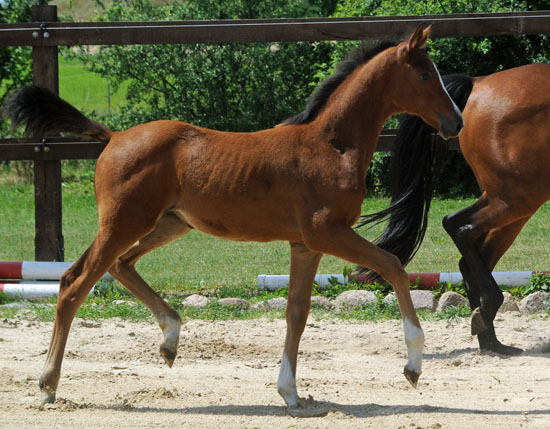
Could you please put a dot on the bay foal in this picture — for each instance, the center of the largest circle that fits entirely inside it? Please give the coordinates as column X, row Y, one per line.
column 303, row 182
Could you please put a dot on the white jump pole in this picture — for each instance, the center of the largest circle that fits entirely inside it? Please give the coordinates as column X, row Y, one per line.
column 32, row 290
column 427, row 280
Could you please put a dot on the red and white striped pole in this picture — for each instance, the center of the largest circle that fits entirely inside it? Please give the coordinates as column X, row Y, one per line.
column 29, row 270
column 33, row 280
column 426, row 280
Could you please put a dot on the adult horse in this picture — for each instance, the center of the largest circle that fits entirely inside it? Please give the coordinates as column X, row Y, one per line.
column 302, row 182
column 505, row 142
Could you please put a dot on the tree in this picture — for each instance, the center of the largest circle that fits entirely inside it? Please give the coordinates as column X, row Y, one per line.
column 234, row 87
column 15, row 62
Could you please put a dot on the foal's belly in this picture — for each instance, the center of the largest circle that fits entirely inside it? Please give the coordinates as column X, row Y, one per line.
column 242, row 225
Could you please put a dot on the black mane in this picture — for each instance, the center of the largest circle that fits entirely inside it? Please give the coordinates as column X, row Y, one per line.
column 355, row 58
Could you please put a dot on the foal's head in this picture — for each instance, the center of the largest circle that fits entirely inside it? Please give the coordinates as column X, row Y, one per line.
column 418, row 87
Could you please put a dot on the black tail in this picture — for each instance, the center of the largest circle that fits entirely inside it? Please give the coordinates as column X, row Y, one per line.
column 43, row 113
column 417, row 156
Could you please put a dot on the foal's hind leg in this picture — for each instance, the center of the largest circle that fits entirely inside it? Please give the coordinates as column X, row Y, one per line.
column 303, row 266
column 467, row 228
column 168, row 228
column 75, row 284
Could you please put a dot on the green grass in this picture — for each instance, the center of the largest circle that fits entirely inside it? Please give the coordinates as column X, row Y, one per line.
column 86, row 90
column 199, row 262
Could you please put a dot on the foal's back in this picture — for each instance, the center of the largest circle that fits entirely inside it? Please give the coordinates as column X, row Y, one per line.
column 242, row 186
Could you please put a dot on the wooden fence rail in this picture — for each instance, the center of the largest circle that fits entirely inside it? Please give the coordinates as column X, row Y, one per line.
column 45, row 35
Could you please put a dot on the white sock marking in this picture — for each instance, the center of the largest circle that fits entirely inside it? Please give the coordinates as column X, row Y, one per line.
column 414, row 338
column 286, row 383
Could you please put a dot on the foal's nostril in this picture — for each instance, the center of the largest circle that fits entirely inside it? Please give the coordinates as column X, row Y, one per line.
column 459, row 126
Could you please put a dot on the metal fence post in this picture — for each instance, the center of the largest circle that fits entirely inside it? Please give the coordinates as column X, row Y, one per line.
column 48, row 242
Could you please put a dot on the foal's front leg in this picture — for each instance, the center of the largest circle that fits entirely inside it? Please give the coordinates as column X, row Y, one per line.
column 303, row 266
column 343, row 242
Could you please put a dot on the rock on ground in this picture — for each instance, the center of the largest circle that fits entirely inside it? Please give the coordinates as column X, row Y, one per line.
column 538, row 301
column 351, row 299
column 423, row 300
column 451, row 299
column 195, row 300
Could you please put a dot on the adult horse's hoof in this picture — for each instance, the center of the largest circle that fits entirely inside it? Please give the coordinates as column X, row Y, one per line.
column 411, row 376
column 478, row 324
column 502, row 349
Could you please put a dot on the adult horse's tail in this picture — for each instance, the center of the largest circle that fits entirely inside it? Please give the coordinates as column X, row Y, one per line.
column 43, row 113
column 416, row 159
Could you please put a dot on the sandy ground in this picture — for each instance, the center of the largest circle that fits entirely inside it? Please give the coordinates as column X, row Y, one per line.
column 225, row 376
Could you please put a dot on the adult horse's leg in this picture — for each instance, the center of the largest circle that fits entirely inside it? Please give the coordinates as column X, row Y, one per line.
column 496, row 243
column 468, row 228
column 303, row 266
column 343, row 242
column 168, row 228
column 75, row 284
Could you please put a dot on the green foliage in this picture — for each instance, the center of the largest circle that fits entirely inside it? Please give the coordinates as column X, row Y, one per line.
column 453, row 314
column 449, row 287
column 538, row 282
column 15, row 62
column 234, row 87
column 373, row 312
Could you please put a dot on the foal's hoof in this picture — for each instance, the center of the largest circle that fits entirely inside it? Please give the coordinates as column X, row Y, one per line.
column 168, row 355
column 478, row 324
column 47, row 397
column 411, row 376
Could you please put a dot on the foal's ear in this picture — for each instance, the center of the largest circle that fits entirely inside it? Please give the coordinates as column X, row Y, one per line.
column 419, row 38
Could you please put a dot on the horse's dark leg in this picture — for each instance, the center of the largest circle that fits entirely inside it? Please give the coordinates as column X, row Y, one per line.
column 496, row 243
column 472, row 290
column 487, row 339
column 167, row 229
column 467, row 228
column 303, row 266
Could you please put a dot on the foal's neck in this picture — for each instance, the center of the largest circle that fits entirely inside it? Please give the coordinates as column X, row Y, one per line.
column 358, row 109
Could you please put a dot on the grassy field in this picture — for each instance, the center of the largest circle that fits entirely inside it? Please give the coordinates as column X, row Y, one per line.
column 87, row 91
column 198, row 261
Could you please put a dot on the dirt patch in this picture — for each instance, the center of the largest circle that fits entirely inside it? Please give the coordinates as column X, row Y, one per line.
column 349, row 374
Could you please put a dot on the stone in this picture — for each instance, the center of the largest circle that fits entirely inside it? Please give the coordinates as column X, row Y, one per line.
column 196, row 301
column 390, row 299
column 18, row 305
column 352, row 299
column 271, row 304
column 451, row 299
column 321, row 302
column 234, row 302
column 534, row 303
column 509, row 303
column 121, row 302
column 423, row 300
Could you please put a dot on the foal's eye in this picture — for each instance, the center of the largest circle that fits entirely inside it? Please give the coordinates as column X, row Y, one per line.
column 425, row 76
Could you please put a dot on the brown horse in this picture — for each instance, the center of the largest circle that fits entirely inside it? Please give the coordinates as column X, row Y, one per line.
column 302, row 182
column 505, row 142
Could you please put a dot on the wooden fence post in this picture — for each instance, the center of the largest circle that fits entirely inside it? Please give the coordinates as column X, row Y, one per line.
column 48, row 242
